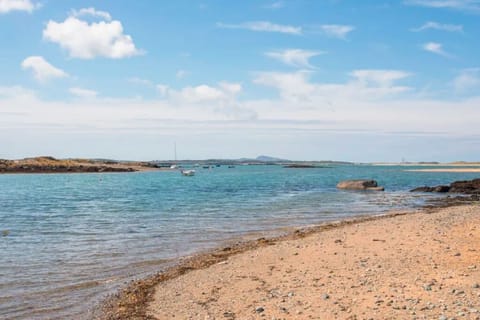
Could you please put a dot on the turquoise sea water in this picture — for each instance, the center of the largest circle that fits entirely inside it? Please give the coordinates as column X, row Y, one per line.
column 75, row 237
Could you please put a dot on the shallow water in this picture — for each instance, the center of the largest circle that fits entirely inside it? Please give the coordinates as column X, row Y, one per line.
column 75, row 237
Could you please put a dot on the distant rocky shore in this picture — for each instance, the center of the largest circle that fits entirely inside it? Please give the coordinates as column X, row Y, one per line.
column 52, row 165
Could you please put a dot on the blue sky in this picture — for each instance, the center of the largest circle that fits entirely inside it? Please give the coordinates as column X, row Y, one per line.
column 315, row 80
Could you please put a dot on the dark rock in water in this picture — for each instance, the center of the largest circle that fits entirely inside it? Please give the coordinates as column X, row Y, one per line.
column 359, row 185
column 468, row 187
column 422, row 189
column 431, row 189
column 465, row 187
column 301, row 166
column 441, row 189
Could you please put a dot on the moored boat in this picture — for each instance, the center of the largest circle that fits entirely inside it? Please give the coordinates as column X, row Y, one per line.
column 188, row 173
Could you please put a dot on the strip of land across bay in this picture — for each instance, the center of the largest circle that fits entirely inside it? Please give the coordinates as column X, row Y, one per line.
column 48, row 164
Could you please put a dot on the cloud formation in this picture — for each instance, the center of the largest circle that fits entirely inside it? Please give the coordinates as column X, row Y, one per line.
column 275, row 5
column 467, row 80
column 464, row 5
column 91, row 12
column 364, row 85
column 381, row 78
column 7, row 6
column 224, row 91
column 88, row 40
column 439, row 26
column 338, row 31
column 435, row 47
column 263, row 26
column 83, row 93
column 42, row 70
column 294, row 57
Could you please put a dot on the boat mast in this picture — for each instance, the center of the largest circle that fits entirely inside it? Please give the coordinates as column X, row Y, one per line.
column 175, row 150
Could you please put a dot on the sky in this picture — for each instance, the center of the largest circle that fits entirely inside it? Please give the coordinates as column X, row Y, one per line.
column 303, row 80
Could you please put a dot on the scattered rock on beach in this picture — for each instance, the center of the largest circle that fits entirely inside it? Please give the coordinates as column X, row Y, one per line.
column 370, row 185
column 259, row 309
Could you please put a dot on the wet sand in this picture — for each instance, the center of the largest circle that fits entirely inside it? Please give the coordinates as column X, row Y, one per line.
column 423, row 265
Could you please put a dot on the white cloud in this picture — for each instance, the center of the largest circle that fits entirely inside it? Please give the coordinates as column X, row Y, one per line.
column 83, row 93
column 335, row 30
column 224, row 92
column 292, row 86
column 163, row 89
column 466, row 5
column 275, row 5
column 16, row 92
column 42, row 70
column 439, row 26
column 435, row 47
column 201, row 93
column 263, row 26
column 294, row 57
column 230, row 88
column 467, row 80
column 140, row 81
column 181, row 74
column 86, row 40
column 365, row 85
column 205, row 100
column 381, row 78
column 91, row 12
column 17, row 5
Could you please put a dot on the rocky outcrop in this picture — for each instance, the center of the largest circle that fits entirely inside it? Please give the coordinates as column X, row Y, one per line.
column 370, row 185
column 52, row 165
column 432, row 189
column 465, row 187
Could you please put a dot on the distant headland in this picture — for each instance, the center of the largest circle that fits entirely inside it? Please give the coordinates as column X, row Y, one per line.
column 51, row 165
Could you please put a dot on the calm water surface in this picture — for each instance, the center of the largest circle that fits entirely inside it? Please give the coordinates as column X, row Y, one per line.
column 75, row 237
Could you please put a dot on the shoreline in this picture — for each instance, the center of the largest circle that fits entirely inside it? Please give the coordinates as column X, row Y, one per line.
column 453, row 170
column 131, row 301
column 136, row 299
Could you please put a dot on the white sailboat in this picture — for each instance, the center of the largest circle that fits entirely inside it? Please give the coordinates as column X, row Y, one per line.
column 188, row 173
column 174, row 165
column 184, row 172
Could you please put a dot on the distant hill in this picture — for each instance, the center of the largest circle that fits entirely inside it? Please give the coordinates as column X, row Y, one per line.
column 263, row 158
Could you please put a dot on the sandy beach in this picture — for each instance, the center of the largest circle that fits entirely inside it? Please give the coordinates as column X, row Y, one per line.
column 473, row 170
column 423, row 265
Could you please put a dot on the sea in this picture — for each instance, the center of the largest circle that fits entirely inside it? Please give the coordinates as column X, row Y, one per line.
column 67, row 241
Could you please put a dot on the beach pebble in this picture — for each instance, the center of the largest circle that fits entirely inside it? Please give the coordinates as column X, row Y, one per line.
column 259, row 309
column 325, row 296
